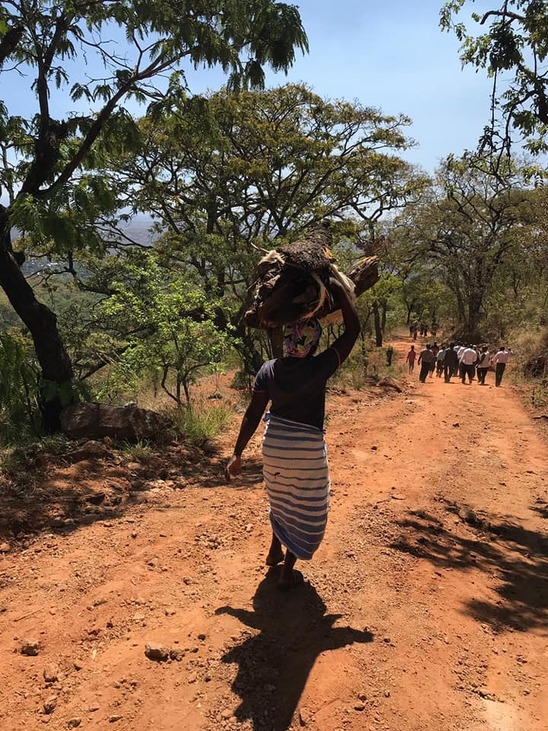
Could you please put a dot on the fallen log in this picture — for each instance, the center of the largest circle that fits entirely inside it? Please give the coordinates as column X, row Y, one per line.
column 293, row 281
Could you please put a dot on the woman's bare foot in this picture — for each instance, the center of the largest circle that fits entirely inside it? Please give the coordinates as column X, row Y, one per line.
column 289, row 577
column 275, row 552
column 274, row 557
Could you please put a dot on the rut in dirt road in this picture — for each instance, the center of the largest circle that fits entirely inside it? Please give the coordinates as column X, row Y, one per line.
column 424, row 609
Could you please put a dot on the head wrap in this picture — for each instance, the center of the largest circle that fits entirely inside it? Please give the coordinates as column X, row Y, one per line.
column 301, row 338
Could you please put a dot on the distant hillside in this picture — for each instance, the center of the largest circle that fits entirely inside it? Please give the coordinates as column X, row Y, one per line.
column 138, row 230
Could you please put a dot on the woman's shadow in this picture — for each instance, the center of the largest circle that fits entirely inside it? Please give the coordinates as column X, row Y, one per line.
column 274, row 665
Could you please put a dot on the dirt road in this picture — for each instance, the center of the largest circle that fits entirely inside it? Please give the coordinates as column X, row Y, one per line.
column 423, row 610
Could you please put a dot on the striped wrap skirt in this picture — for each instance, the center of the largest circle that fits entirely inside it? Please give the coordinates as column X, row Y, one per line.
column 296, row 475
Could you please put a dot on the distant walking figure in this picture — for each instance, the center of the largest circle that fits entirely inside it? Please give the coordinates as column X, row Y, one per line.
column 450, row 362
column 468, row 360
column 426, row 358
column 440, row 357
column 435, row 350
column 410, row 359
column 483, row 365
column 500, row 360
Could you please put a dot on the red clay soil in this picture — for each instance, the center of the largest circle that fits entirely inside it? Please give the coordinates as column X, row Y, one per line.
column 423, row 610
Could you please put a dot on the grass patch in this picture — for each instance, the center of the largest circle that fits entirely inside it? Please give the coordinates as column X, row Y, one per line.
column 201, row 422
column 141, row 451
column 366, row 366
column 27, row 454
column 539, row 396
column 531, row 355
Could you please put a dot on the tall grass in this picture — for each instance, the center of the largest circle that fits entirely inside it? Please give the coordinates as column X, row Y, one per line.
column 21, row 464
column 202, row 421
column 531, row 354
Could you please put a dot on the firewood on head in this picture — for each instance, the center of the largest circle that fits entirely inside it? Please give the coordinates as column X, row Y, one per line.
column 293, row 281
column 297, row 295
column 364, row 274
column 312, row 253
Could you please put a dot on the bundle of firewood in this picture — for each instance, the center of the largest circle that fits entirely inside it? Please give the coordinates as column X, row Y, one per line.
column 293, row 282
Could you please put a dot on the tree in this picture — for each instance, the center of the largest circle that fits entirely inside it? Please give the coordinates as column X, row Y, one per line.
column 18, row 377
column 46, row 161
column 519, row 297
column 424, row 296
column 170, row 330
column 514, row 46
column 229, row 173
column 463, row 232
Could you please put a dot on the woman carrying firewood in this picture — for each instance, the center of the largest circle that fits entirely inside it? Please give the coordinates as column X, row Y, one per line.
column 295, row 465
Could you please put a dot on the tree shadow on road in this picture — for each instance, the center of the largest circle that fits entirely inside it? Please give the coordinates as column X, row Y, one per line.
column 515, row 556
column 274, row 665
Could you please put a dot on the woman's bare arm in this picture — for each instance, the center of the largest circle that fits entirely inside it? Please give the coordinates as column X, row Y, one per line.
column 344, row 344
column 250, row 422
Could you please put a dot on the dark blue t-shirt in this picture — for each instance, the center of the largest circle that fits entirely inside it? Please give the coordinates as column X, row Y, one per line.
column 296, row 386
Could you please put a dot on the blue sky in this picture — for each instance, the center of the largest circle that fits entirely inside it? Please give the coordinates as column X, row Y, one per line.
column 394, row 56
column 390, row 55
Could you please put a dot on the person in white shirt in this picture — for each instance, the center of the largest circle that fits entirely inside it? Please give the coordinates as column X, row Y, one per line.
column 500, row 360
column 460, row 350
column 468, row 364
column 484, row 361
column 439, row 360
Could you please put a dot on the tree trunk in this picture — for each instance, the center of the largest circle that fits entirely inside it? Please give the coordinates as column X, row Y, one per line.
column 377, row 321
column 57, row 373
column 384, row 309
column 251, row 357
column 187, row 393
column 471, row 330
column 365, row 360
column 409, row 308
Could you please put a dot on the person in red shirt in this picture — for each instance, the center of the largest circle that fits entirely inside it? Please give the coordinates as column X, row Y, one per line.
column 410, row 359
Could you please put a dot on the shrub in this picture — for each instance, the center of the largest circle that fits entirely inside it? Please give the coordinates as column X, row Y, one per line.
column 139, row 452
column 366, row 365
column 201, row 421
column 531, row 349
column 242, row 381
column 19, row 379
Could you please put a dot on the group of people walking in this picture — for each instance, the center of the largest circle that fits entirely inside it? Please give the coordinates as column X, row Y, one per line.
column 416, row 328
column 459, row 359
